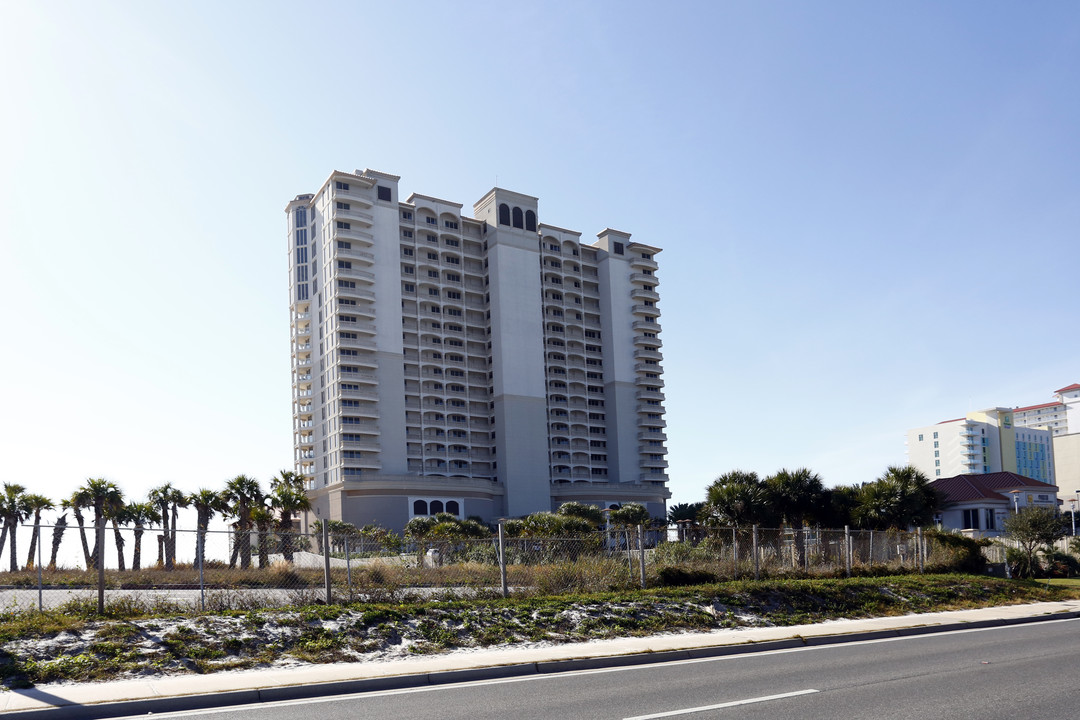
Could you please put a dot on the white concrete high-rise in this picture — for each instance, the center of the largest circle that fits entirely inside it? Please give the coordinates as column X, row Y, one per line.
column 484, row 366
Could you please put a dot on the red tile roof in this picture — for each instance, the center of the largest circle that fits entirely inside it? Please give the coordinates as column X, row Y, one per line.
column 1074, row 386
column 1036, row 407
column 991, row 486
column 945, row 422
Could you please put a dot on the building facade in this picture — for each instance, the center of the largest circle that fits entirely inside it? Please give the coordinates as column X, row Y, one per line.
column 487, row 366
column 1062, row 418
column 982, row 442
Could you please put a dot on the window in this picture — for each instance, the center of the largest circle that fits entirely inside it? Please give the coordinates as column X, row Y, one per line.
column 989, row 517
column 519, row 220
column 407, row 251
column 431, row 221
column 407, row 269
column 384, row 193
column 451, row 224
column 971, row 519
column 406, row 215
column 935, row 436
column 504, row 214
column 433, row 273
column 341, row 185
column 300, row 216
column 452, row 242
column 407, row 234
column 409, row 287
column 432, row 238
column 619, row 249
column 342, row 206
column 344, row 225
column 433, row 292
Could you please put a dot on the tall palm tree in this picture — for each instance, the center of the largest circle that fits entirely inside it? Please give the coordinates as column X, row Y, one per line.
column 77, row 502
column 242, row 494
column 14, row 510
column 207, row 503
column 141, row 515
column 35, row 504
column 168, row 500
column 105, row 498
column 799, row 496
column 287, row 496
column 117, row 514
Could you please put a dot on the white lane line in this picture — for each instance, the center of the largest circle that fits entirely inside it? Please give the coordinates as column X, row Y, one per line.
column 734, row 703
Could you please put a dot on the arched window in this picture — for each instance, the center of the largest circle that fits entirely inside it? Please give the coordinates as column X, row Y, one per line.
column 419, row 507
column 436, row 506
column 504, row 214
column 530, row 220
column 452, row 507
column 518, row 222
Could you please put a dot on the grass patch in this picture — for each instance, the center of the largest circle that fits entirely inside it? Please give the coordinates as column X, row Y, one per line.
column 129, row 641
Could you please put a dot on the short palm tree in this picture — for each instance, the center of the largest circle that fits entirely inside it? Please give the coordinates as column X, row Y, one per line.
column 35, row 504
column 799, row 496
column 14, row 510
column 207, row 503
column 141, row 515
column 287, row 496
column 168, row 500
column 105, row 497
column 77, row 502
column 242, row 494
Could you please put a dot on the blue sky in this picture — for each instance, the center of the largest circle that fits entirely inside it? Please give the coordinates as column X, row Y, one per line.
column 868, row 211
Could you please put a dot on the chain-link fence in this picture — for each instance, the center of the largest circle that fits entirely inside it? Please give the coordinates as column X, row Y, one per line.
column 217, row 570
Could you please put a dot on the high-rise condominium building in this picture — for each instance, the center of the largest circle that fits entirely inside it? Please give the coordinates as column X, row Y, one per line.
column 487, row 366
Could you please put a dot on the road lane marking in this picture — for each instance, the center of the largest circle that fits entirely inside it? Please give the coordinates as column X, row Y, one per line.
column 734, row 703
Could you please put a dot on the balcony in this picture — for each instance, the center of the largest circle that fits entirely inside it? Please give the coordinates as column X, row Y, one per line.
column 653, row 477
column 643, row 263
column 352, row 253
column 642, row 278
column 354, row 235
column 646, row 354
column 353, row 195
column 355, row 274
column 353, row 215
column 303, row 393
column 645, row 310
column 649, row 395
column 303, row 362
column 370, row 445
column 642, row 380
column 642, row 341
column 355, row 293
column 305, row 378
column 646, row 367
column 643, row 294
column 364, row 343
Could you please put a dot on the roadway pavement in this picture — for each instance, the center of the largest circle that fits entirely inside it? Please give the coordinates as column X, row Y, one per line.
column 188, row 693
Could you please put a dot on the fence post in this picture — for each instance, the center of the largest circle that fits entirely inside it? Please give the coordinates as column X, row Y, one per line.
column 326, row 560
column 847, row 550
column 921, row 550
column 348, row 565
column 757, row 562
column 40, row 595
column 641, row 547
column 871, row 548
column 734, row 554
column 629, row 551
column 502, row 560
column 101, row 565
column 201, row 551
column 806, row 549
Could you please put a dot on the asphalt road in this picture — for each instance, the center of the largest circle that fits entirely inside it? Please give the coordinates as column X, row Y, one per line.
column 1023, row 672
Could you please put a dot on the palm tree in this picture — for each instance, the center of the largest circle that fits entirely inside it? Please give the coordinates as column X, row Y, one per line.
column 684, row 513
column 900, row 498
column 207, row 503
column 118, row 515
column 79, row 501
column 57, row 536
column 263, row 518
column 798, row 496
column 287, row 496
column 141, row 515
column 14, row 510
column 168, row 500
column 242, row 494
column 35, row 504
column 105, row 497
column 738, row 499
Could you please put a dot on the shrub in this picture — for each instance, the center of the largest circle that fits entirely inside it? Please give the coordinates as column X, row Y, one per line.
column 677, row 576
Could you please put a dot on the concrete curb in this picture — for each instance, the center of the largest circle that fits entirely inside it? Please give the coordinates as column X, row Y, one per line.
column 185, row 703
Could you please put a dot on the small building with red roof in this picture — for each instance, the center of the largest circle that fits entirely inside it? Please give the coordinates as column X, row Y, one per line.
column 979, row 504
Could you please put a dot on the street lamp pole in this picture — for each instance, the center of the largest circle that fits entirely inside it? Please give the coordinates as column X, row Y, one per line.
column 1016, row 500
